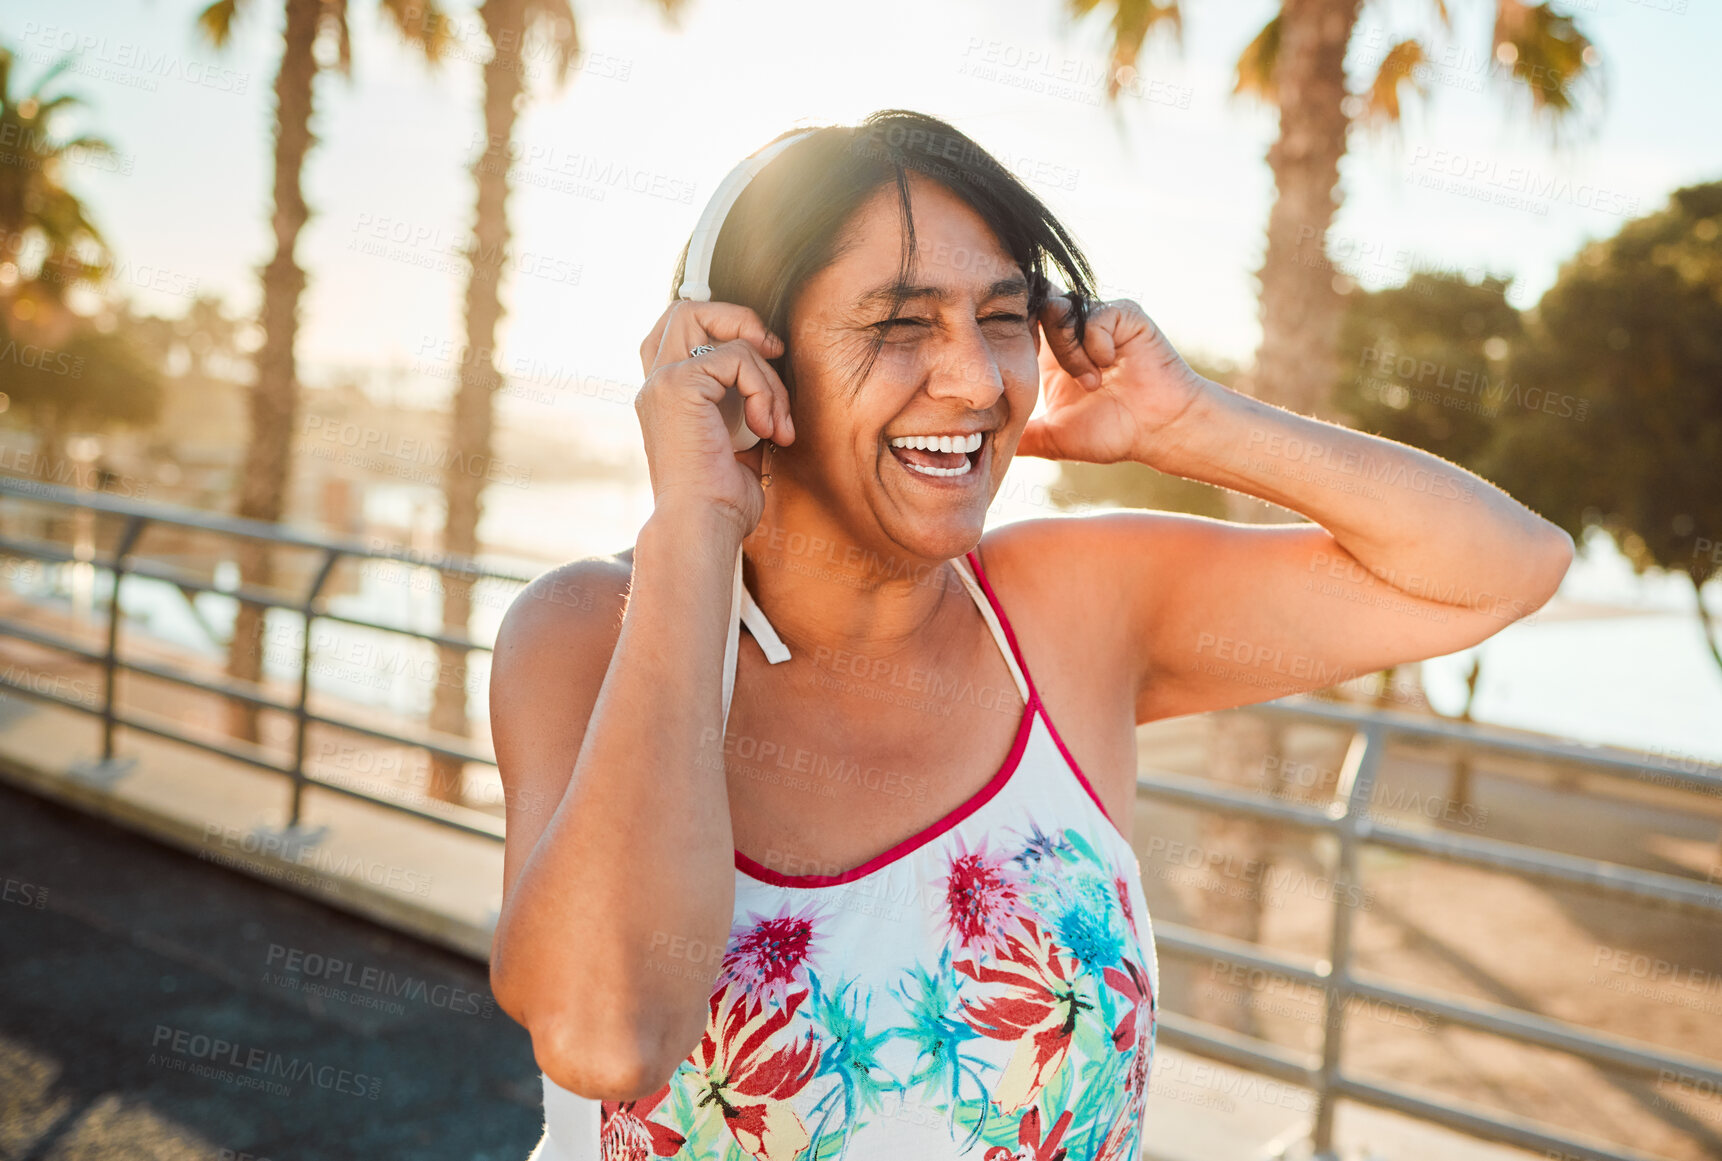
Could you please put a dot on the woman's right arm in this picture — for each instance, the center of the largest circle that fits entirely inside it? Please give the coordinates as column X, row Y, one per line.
column 632, row 854
column 609, row 739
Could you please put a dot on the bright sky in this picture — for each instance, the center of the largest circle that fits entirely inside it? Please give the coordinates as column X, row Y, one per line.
column 1169, row 193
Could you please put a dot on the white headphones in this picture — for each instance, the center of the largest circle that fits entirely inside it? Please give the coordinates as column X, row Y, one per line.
column 697, row 273
column 696, row 286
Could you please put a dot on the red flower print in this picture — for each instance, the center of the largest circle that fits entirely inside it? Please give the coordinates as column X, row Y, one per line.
column 626, row 1135
column 1135, row 988
column 1028, row 1136
column 1119, row 1142
column 1123, row 888
column 751, row 1072
column 1032, row 1002
column 982, row 896
column 767, row 956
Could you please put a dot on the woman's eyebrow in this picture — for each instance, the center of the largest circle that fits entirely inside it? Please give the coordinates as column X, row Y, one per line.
column 885, row 296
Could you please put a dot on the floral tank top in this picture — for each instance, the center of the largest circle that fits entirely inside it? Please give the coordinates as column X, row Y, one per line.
column 985, row 989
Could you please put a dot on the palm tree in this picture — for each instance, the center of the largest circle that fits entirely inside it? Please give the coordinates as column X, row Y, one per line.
column 508, row 25
column 274, row 400
column 49, row 240
column 1297, row 63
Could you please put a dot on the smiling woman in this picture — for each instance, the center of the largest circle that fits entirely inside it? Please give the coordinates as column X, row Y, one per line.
column 878, row 904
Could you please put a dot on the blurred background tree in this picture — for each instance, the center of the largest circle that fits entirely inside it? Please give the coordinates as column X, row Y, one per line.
column 513, row 27
column 1632, row 328
column 63, row 375
column 49, row 242
column 274, row 401
column 1453, row 336
column 1130, row 485
column 1296, row 63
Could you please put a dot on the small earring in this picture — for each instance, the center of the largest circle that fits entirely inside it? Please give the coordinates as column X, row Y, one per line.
column 765, row 463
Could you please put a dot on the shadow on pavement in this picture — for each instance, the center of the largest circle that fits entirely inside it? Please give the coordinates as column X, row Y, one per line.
column 159, row 1007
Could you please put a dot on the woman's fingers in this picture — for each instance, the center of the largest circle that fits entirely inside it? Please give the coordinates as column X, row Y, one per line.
column 1097, row 350
column 738, row 364
column 687, row 324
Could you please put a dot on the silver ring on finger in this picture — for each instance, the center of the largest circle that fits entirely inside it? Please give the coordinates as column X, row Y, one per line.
column 702, row 349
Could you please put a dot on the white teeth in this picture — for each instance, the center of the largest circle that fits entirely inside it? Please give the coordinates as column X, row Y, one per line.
column 941, row 443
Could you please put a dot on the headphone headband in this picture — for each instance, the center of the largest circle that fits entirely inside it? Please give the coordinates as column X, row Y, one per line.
column 696, row 279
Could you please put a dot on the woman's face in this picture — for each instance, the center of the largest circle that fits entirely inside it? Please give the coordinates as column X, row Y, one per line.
column 959, row 361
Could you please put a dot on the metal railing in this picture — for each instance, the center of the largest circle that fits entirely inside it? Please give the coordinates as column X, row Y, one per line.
column 1348, row 819
column 122, row 562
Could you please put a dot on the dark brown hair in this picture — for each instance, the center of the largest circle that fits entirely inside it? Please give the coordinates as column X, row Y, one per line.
column 789, row 222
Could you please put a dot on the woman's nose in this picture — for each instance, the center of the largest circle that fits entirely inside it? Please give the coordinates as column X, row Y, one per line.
column 965, row 369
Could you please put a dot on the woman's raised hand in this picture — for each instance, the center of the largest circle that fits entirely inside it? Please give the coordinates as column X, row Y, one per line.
column 688, row 447
column 1116, row 395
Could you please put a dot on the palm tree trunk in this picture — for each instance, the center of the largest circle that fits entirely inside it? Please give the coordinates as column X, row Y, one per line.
column 1706, row 620
column 473, row 422
column 1300, row 309
column 274, row 401
column 274, row 395
column 1295, row 368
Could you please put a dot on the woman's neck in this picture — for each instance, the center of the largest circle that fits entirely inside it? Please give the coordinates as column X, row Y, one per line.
column 827, row 593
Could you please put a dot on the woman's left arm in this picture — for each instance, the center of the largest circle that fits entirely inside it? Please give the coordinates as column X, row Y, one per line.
column 1408, row 557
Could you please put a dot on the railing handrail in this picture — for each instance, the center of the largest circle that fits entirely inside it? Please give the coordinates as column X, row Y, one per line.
column 220, row 523
column 136, row 516
column 1348, row 817
column 1500, row 739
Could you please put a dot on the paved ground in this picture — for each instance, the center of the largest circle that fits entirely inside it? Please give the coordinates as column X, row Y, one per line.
column 124, row 963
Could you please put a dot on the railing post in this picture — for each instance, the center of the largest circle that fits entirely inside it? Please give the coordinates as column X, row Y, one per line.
column 1355, row 791
column 110, row 659
column 302, row 714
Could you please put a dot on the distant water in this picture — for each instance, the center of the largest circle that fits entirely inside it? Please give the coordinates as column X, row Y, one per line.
column 1638, row 677
column 1641, row 679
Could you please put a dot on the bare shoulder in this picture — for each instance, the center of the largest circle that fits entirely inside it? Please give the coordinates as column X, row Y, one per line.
column 553, row 650
column 1091, row 594
column 570, row 608
column 1091, row 567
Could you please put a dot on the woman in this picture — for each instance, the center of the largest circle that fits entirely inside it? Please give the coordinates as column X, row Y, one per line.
column 887, row 908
